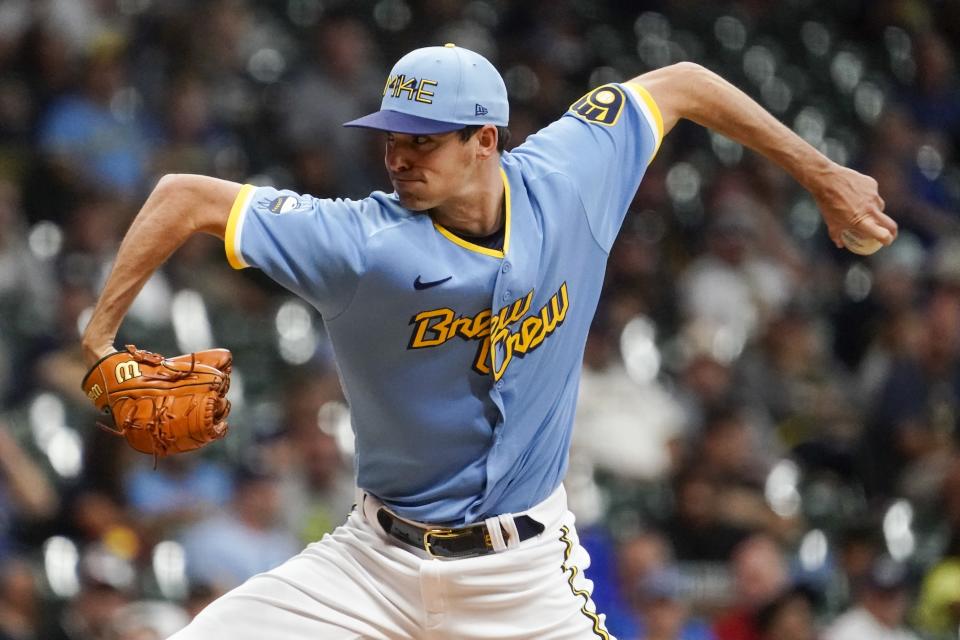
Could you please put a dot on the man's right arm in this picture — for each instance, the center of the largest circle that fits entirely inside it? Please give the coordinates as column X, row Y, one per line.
column 178, row 207
column 847, row 199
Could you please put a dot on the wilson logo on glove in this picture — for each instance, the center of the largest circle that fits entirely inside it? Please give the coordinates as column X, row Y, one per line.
column 163, row 405
column 127, row 370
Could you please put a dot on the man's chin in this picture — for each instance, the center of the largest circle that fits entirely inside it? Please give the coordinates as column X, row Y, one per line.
column 413, row 203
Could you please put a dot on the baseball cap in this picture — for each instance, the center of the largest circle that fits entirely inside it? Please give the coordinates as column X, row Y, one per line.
column 439, row 89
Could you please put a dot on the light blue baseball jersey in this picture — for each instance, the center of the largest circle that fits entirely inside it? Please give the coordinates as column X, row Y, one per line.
column 461, row 363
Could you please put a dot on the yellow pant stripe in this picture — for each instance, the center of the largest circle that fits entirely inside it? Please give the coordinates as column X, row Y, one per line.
column 572, row 572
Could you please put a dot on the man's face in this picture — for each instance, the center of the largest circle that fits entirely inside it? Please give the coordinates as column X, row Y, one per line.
column 427, row 170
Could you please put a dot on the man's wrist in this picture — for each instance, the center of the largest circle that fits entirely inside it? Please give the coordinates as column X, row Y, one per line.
column 94, row 351
column 817, row 175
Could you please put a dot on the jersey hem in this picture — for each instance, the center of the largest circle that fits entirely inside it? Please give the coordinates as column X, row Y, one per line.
column 232, row 237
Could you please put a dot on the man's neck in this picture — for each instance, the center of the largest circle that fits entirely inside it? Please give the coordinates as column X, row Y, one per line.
column 479, row 210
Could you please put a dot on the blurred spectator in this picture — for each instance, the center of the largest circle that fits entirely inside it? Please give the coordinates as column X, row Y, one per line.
column 26, row 496
column 708, row 374
column 608, row 434
column 89, row 614
column 858, row 545
column 226, row 548
column 789, row 616
column 49, row 63
column 147, row 620
column 729, row 452
column 729, row 448
column 697, row 528
column 96, row 136
column 759, row 575
column 797, row 379
column 100, row 521
column 317, row 487
column 794, row 375
column 191, row 137
column 55, row 354
column 918, row 203
column 20, row 602
column 181, row 490
column 637, row 557
column 934, row 99
column 938, row 604
column 881, row 607
column 106, row 586
column 28, row 293
column 905, row 447
column 342, row 80
column 642, row 555
column 869, row 334
column 198, row 597
column 663, row 609
column 732, row 286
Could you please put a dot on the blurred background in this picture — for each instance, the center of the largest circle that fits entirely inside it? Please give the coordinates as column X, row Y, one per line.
column 767, row 440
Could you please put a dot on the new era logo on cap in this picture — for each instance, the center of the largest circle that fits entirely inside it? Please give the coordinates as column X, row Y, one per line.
column 439, row 89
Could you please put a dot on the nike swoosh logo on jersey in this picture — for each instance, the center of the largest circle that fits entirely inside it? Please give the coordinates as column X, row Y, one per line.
column 420, row 286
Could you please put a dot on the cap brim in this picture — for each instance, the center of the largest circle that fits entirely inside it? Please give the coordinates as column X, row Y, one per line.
column 403, row 123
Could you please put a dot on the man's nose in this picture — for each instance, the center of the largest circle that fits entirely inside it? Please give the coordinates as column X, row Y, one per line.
column 397, row 160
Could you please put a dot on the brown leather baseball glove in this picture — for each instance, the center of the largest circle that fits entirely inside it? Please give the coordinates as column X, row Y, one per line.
column 163, row 405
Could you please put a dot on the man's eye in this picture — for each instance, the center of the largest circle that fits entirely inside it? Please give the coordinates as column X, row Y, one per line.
column 421, row 140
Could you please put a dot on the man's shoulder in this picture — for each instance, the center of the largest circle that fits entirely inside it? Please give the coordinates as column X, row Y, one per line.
column 376, row 212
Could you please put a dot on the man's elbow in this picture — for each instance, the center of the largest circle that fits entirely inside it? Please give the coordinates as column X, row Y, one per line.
column 170, row 188
column 678, row 74
column 201, row 202
column 675, row 90
column 168, row 181
column 686, row 70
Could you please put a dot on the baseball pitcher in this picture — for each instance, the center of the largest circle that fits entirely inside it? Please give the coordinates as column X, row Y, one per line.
column 458, row 307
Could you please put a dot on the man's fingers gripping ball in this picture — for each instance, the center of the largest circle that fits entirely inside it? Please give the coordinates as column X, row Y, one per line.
column 163, row 405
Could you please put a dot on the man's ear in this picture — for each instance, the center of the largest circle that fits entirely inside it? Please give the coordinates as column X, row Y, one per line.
column 487, row 141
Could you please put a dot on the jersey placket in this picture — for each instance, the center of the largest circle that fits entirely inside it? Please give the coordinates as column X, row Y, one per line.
column 513, row 283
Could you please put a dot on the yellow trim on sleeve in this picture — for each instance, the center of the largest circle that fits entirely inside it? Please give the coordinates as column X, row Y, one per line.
column 654, row 110
column 454, row 238
column 237, row 211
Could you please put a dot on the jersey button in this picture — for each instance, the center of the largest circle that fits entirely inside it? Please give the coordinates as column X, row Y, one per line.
column 505, row 268
column 499, row 384
column 506, row 295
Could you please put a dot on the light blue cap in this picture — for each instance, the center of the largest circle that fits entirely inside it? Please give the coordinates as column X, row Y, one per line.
column 439, row 89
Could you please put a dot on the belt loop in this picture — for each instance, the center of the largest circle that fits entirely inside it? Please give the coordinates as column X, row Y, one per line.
column 368, row 508
column 496, row 534
column 510, row 527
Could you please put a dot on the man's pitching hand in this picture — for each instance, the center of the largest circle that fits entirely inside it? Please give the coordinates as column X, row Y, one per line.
column 849, row 200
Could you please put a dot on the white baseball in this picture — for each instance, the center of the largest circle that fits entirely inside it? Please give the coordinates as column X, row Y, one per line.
column 859, row 244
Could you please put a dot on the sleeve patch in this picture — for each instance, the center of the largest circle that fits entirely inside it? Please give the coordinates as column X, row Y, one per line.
column 286, row 204
column 601, row 106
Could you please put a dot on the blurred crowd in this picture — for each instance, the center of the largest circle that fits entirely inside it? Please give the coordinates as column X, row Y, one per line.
column 767, row 439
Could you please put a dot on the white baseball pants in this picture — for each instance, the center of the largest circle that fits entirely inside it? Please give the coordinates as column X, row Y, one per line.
column 359, row 583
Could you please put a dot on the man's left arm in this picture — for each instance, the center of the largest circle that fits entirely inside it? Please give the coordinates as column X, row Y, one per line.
column 847, row 199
